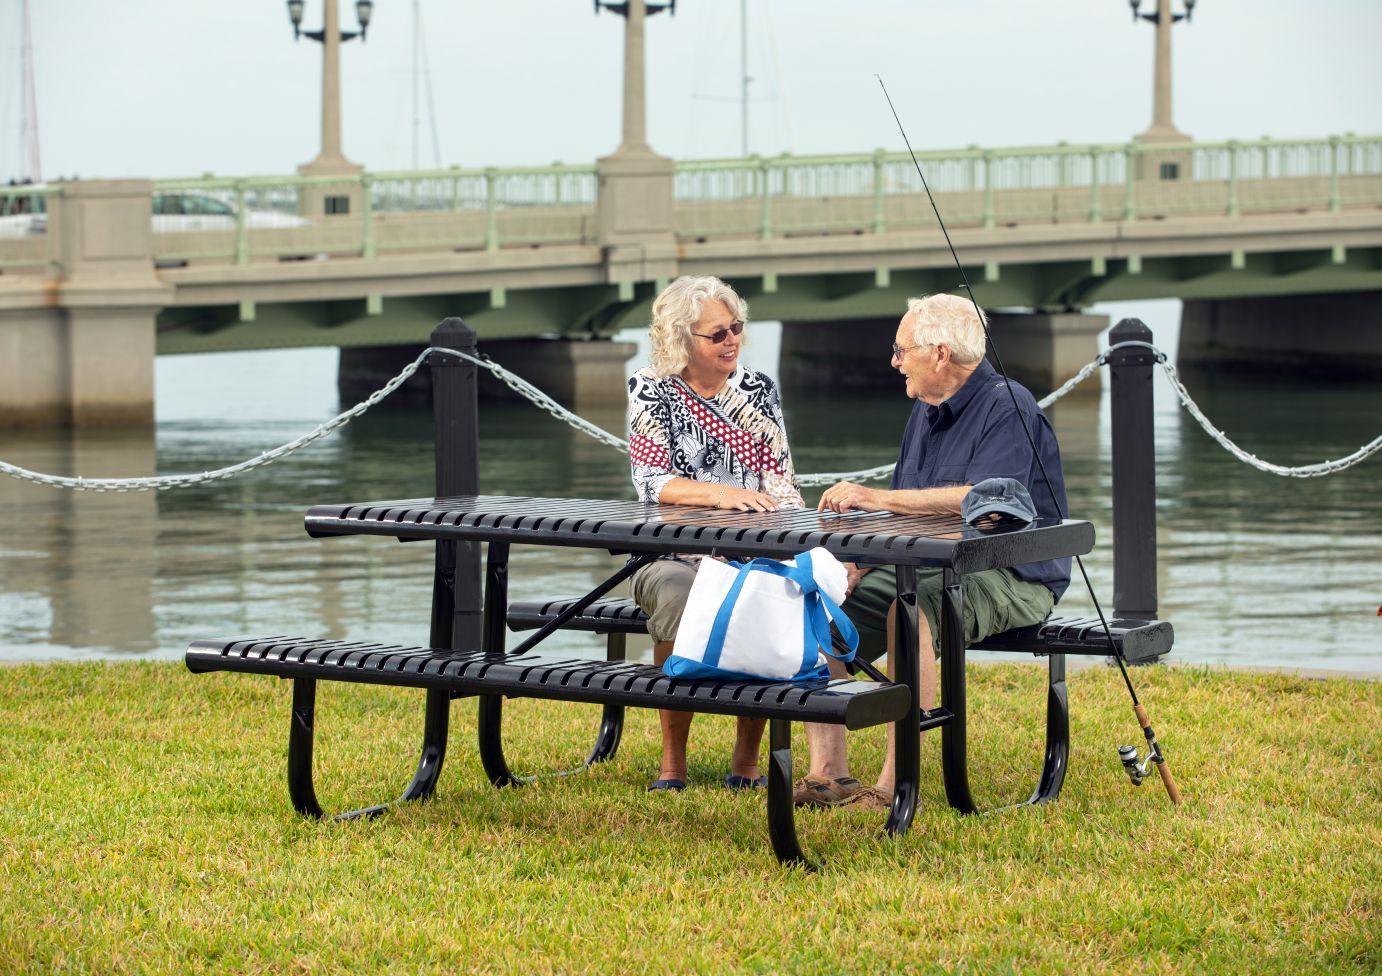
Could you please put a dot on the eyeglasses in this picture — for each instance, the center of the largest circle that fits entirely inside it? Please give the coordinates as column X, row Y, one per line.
column 723, row 334
column 900, row 351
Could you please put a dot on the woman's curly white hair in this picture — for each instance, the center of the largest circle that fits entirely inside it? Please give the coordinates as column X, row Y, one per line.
column 677, row 309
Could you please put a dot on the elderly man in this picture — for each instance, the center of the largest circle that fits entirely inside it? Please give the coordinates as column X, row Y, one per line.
column 964, row 429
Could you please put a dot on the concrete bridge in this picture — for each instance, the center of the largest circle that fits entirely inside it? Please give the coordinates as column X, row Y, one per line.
column 101, row 276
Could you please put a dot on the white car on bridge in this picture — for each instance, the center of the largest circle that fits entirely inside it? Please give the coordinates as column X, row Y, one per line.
column 173, row 211
column 176, row 210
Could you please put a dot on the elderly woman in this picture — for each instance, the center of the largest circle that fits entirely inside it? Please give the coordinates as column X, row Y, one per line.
column 704, row 430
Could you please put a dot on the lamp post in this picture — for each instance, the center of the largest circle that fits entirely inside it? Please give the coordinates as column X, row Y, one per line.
column 633, row 210
column 1162, row 130
column 635, row 131
column 330, row 161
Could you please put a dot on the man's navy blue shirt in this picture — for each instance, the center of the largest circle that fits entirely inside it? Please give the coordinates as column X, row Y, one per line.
column 975, row 435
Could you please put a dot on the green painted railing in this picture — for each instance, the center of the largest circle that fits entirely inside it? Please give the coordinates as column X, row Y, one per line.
column 873, row 193
column 375, row 214
column 24, row 238
column 372, row 213
column 766, row 197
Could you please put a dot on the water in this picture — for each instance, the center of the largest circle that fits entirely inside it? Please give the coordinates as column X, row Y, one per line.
column 1254, row 569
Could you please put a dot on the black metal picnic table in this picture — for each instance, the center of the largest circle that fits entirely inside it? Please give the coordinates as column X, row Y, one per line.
column 466, row 654
column 908, row 542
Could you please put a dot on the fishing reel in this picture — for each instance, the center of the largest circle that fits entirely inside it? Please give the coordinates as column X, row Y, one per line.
column 1137, row 770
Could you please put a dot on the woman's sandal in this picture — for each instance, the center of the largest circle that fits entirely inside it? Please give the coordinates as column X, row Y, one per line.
column 671, row 785
column 817, row 791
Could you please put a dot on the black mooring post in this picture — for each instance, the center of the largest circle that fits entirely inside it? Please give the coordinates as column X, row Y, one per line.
column 456, row 602
column 1134, row 473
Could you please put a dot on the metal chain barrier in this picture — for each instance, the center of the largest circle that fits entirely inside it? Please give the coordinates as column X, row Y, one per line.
column 165, row 482
column 545, row 403
column 1302, row 471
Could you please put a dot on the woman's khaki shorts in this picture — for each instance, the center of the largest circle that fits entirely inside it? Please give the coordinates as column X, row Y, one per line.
column 660, row 590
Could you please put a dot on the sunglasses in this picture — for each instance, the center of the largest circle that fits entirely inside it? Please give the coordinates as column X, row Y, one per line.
column 722, row 334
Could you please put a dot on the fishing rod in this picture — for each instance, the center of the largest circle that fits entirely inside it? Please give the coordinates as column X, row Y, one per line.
column 1136, row 770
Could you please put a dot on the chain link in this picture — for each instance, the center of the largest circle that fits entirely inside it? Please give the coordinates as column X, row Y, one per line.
column 1301, row 471
column 545, row 403
column 165, row 482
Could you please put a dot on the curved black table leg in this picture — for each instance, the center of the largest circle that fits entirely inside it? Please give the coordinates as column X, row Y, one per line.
column 1057, row 734
column 491, row 722
column 300, row 734
column 300, row 748
column 953, row 737
column 782, row 826
column 907, row 736
column 954, row 745
column 611, row 716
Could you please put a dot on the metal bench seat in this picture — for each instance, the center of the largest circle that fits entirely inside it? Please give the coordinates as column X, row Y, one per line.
column 612, row 615
column 448, row 674
column 853, row 704
column 1141, row 641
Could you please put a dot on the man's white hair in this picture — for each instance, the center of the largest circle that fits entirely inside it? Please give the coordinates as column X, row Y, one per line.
column 949, row 320
column 677, row 309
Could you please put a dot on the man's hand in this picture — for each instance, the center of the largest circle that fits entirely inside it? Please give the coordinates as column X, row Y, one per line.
column 853, row 574
column 847, row 496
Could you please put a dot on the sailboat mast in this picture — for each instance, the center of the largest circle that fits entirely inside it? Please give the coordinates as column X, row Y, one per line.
column 417, row 67
column 29, row 114
column 744, row 76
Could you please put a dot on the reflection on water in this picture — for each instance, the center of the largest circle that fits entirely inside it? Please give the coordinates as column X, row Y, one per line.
column 1253, row 568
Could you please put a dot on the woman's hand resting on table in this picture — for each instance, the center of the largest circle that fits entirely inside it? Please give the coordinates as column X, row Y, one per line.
column 744, row 500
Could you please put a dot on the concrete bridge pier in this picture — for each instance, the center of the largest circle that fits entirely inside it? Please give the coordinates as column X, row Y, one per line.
column 78, row 350
column 577, row 373
column 94, row 602
column 1041, row 350
column 1337, row 335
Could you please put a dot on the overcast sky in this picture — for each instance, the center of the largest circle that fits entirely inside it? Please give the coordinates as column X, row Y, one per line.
column 182, row 87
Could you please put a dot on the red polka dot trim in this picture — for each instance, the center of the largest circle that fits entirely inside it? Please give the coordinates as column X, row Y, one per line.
column 644, row 451
column 741, row 442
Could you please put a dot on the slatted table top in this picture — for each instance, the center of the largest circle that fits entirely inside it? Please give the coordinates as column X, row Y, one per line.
column 626, row 526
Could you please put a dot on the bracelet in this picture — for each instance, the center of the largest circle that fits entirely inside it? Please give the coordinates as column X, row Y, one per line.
column 720, row 497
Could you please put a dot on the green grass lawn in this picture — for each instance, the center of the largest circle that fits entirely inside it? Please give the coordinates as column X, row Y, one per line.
column 145, row 827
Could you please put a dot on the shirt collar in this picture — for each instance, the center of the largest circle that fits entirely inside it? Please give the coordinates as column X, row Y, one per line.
column 955, row 404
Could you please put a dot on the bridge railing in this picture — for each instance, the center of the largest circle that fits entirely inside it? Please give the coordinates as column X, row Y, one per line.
column 787, row 195
column 25, row 240
column 238, row 220
column 370, row 213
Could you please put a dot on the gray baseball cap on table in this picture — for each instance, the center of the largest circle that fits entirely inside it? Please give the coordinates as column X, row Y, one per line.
column 1001, row 496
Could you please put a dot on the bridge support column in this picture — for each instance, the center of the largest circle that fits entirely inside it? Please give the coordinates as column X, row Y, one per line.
column 577, row 374
column 1329, row 335
column 1041, row 350
column 78, row 350
column 844, row 357
column 95, row 602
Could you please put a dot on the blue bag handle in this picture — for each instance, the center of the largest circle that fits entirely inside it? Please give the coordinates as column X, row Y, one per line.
column 818, row 609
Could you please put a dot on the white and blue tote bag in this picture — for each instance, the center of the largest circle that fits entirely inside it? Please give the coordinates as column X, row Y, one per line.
column 763, row 619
